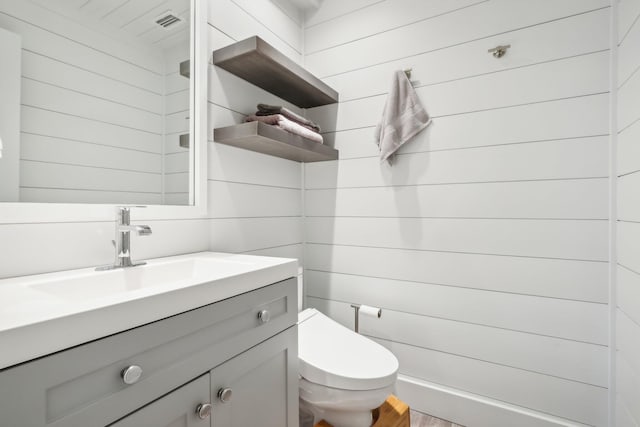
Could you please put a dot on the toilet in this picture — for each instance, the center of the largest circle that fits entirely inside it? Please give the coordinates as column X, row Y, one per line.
column 343, row 375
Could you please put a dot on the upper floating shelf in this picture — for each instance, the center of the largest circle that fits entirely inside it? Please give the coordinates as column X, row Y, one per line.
column 259, row 63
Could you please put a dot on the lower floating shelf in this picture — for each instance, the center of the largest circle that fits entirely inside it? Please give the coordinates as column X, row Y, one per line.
column 267, row 139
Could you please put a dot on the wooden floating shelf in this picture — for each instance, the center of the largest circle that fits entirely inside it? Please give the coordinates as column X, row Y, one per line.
column 261, row 64
column 271, row 140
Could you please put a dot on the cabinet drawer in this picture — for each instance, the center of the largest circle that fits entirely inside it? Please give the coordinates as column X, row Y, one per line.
column 83, row 386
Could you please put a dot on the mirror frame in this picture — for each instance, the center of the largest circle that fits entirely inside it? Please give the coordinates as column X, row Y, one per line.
column 27, row 212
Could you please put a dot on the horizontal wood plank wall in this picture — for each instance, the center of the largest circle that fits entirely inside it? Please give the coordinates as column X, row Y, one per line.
column 628, row 272
column 255, row 200
column 486, row 241
column 67, row 245
column 91, row 111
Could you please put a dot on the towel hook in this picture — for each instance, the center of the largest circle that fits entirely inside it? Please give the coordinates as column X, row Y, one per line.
column 499, row 51
column 408, row 72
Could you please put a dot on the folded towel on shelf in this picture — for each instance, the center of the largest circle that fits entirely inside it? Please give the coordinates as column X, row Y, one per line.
column 267, row 110
column 285, row 124
column 402, row 118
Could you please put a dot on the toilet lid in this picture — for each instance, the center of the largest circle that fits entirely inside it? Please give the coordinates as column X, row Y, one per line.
column 335, row 356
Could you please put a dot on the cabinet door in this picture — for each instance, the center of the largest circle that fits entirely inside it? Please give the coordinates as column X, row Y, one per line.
column 176, row 409
column 263, row 384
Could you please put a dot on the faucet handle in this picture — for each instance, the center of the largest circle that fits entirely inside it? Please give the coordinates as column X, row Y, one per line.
column 143, row 230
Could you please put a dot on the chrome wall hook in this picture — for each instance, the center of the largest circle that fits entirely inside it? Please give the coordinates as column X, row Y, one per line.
column 499, row 51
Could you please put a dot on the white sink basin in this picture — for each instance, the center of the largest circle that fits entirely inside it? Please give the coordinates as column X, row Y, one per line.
column 45, row 313
column 82, row 285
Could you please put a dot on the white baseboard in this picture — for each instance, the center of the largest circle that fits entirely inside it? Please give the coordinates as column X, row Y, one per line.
column 469, row 409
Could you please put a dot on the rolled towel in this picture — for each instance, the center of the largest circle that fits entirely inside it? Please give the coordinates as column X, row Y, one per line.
column 267, row 110
column 285, row 124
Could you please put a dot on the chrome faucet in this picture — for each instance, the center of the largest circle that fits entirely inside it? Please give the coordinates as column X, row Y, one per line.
column 122, row 241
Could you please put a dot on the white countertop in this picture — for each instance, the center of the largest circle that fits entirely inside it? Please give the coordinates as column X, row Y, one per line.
column 45, row 313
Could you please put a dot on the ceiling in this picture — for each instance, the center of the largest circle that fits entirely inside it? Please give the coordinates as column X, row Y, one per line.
column 135, row 18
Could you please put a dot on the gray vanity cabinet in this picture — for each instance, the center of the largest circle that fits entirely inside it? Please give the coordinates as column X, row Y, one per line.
column 97, row 383
column 177, row 409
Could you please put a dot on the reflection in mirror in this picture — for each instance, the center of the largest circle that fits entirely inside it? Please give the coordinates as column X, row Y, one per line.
column 93, row 104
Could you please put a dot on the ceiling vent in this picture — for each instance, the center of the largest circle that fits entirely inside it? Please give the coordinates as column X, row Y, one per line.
column 168, row 20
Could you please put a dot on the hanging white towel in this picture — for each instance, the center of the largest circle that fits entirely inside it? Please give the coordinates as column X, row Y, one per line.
column 402, row 118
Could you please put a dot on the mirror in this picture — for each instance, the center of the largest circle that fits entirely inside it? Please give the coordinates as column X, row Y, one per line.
column 93, row 106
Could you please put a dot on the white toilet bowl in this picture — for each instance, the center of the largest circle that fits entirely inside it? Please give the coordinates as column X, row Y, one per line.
column 344, row 375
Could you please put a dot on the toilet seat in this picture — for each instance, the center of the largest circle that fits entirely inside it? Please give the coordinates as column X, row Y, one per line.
column 334, row 356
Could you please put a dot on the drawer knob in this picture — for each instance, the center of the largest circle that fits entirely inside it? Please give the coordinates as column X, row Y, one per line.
column 264, row 316
column 224, row 395
column 203, row 410
column 131, row 374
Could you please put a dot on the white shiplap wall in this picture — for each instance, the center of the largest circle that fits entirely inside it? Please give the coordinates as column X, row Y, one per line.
column 486, row 242
column 255, row 201
column 68, row 71
column 91, row 111
column 628, row 226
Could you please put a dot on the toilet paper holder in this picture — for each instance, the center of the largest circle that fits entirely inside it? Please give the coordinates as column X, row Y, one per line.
column 367, row 311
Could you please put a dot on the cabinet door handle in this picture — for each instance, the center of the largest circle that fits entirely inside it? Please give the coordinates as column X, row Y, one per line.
column 224, row 395
column 131, row 374
column 264, row 316
column 203, row 410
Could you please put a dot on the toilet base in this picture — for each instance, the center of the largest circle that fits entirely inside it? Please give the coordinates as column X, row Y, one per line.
column 393, row 412
column 338, row 418
column 341, row 408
